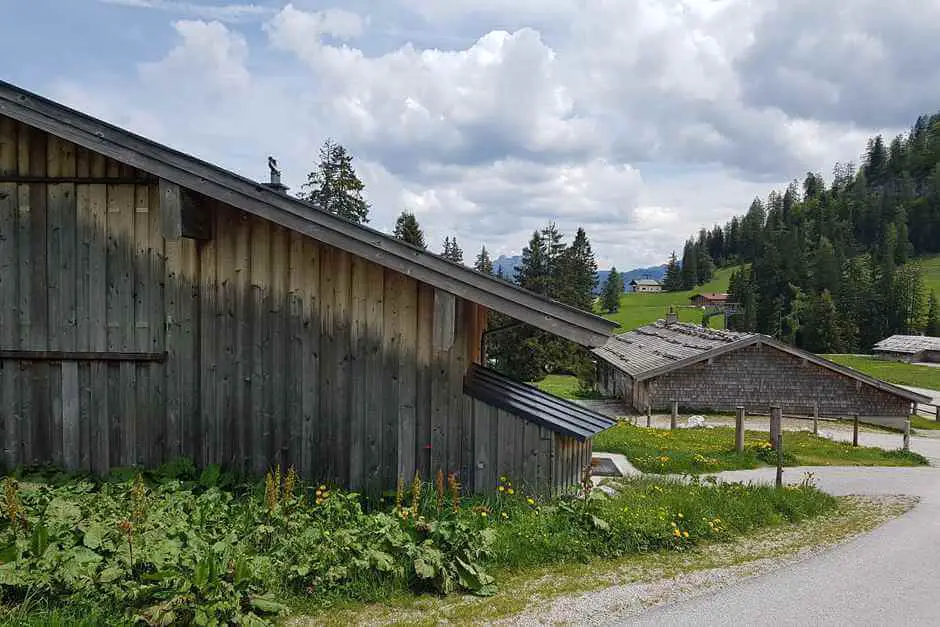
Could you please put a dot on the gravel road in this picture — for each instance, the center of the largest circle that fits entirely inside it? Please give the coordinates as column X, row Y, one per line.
column 881, row 578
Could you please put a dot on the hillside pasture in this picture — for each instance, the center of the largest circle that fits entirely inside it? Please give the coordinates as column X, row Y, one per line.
column 637, row 310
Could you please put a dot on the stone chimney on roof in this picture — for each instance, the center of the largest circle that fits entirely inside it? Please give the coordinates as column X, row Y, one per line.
column 275, row 173
column 672, row 317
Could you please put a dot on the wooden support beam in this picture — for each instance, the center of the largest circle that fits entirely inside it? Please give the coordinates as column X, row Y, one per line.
column 815, row 417
column 445, row 319
column 171, row 211
column 907, row 435
column 674, row 418
column 739, row 429
column 855, row 429
column 18, row 355
column 78, row 180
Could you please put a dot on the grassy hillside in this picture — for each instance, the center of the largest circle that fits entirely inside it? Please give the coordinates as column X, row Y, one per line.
column 931, row 266
column 891, row 371
column 639, row 309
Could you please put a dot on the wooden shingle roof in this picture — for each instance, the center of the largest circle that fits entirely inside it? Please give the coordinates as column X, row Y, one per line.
column 908, row 344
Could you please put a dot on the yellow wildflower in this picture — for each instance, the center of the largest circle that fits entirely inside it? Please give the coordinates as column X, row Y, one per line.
column 483, row 514
column 680, row 515
column 531, row 501
column 501, row 489
column 511, row 491
column 676, row 532
column 685, row 534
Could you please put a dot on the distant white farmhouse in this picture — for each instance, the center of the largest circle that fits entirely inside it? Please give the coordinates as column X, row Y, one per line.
column 646, row 285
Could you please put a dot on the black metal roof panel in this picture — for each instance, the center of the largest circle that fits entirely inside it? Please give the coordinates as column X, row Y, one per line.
column 532, row 404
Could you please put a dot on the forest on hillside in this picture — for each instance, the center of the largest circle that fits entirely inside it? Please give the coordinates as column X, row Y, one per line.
column 833, row 268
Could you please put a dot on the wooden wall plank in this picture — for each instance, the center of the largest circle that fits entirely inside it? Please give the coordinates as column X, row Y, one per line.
column 424, row 331
column 208, row 425
column 35, row 165
column 375, row 295
column 311, row 365
column 188, row 341
column 224, row 423
column 242, row 416
column 171, row 206
column 9, row 295
column 260, row 258
column 445, row 312
column 407, row 381
column 358, row 342
column 71, row 454
column 456, row 368
column 147, row 434
column 295, row 348
column 391, row 395
column 277, row 348
column 325, row 425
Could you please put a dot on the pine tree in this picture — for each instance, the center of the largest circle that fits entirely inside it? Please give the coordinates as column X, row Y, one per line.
column 689, row 266
column 577, row 273
column 452, row 252
column 673, row 279
column 483, row 262
column 408, row 230
column 533, row 273
column 933, row 316
column 613, row 288
column 334, row 185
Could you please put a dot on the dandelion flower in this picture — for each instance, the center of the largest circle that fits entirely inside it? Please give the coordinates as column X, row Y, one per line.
column 531, row 501
column 511, row 491
column 685, row 534
column 483, row 514
column 676, row 532
column 501, row 489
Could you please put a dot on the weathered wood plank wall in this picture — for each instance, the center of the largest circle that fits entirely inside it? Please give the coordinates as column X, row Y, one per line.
column 278, row 349
column 534, row 458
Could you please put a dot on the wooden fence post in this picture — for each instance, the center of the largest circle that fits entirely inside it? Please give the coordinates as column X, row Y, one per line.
column 776, row 435
column 907, row 435
column 855, row 429
column 739, row 430
column 815, row 417
column 674, row 419
column 937, row 409
column 775, row 417
column 649, row 416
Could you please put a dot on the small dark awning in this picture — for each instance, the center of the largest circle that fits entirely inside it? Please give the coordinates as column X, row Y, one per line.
column 530, row 403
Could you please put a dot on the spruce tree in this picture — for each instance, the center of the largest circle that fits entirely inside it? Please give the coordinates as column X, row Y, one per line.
column 673, row 279
column 933, row 316
column 613, row 288
column 334, row 186
column 483, row 262
column 533, row 273
column 452, row 252
column 577, row 273
column 689, row 266
column 408, row 230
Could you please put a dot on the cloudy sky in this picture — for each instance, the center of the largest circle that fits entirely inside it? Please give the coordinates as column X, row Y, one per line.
column 639, row 119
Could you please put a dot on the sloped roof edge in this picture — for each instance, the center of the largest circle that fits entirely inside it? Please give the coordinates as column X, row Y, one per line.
column 532, row 404
column 573, row 324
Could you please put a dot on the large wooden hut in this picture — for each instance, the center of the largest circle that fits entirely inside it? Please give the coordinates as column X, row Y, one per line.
column 154, row 306
column 705, row 369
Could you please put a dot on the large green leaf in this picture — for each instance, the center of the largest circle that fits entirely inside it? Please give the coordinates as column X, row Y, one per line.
column 93, row 536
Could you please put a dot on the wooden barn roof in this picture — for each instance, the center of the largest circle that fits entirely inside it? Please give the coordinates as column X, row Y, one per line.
column 908, row 344
column 662, row 347
column 534, row 405
column 298, row 215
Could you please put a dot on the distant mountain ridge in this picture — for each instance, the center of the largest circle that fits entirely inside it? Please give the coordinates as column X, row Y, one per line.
column 508, row 264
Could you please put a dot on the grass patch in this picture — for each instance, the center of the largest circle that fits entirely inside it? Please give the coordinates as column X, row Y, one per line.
column 530, row 592
column 923, row 423
column 565, row 386
column 931, row 268
column 637, row 310
column 891, row 371
column 191, row 550
column 696, row 451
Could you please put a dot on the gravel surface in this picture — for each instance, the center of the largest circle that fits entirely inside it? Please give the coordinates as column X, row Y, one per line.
column 876, row 579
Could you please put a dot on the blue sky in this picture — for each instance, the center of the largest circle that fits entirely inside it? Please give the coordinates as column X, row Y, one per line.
column 640, row 120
